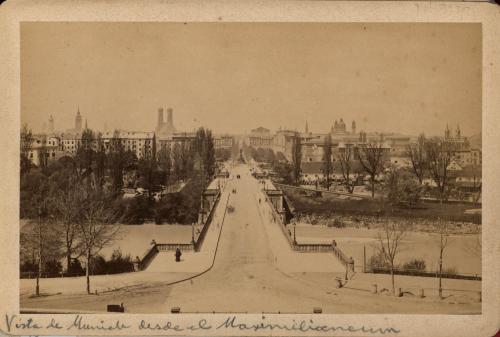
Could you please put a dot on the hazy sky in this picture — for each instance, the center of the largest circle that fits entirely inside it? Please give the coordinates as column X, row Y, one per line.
column 232, row 77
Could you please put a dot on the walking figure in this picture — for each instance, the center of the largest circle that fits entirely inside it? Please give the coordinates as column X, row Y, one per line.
column 178, row 255
column 259, row 200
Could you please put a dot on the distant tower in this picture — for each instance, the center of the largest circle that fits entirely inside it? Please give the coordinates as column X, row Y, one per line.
column 447, row 132
column 170, row 117
column 342, row 125
column 51, row 124
column 307, row 128
column 353, row 127
column 458, row 132
column 335, row 127
column 78, row 121
column 160, row 118
column 86, row 126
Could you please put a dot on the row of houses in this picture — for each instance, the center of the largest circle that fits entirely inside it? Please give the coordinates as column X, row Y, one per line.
column 55, row 146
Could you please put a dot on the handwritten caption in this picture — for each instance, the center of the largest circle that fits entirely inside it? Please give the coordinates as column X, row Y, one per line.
column 79, row 323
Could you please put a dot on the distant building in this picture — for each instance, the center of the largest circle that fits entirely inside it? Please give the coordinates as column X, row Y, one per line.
column 223, row 142
column 44, row 148
column 165, row 128
column 260, row 138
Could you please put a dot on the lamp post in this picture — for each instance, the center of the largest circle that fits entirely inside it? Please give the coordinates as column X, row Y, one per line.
column 192, row 232
column 294, row 237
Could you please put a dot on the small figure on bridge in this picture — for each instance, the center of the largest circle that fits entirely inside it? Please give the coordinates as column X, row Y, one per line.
column 334, row 243
column 178, row 254
column 259, row 200
column 351, row 263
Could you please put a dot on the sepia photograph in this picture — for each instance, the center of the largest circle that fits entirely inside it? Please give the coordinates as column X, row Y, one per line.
column 248, row 168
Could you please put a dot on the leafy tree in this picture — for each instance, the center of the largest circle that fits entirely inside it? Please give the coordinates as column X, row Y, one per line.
column 296, row 158
column 117, row 160
column 402, row 186
column 100, row 162
column 165, row 163
column 85, row 154
column 26, row 145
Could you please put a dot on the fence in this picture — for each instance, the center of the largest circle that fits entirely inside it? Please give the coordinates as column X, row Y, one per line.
column 148, row 257
column 165, row 247
column 201, row 237
column 309, row 247
column 423, row 274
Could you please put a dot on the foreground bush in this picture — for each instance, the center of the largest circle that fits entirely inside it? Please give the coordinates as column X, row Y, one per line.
column 415, row 264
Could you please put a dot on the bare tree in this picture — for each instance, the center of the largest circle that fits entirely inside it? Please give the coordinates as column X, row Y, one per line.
column 389, row 244
column 40, row 234
column 95, row 226
column 67, row 205
column 476, row 182
column 327, row 160
column 345, row 156
column 371, row 158
column 416, row 152
column 443, row 242
column 438, row 154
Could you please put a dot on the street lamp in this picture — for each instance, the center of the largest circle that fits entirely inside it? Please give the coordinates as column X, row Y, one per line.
column 192, row 232
column 294, row 237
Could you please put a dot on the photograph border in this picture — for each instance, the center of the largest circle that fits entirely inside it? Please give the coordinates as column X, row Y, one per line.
column 12, row 13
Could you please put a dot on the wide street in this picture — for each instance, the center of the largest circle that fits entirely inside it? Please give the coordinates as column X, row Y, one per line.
column 254, row 270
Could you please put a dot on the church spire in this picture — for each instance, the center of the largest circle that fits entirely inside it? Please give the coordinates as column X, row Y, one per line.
column 307, row 128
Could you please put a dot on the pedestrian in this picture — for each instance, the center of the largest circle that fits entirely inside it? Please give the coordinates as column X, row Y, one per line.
column 259, row 200
column 178, row 254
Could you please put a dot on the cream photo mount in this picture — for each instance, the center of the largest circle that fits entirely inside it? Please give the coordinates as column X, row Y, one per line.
column 313, row 323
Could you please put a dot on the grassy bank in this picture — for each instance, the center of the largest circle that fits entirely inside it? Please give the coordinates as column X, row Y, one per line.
column 331, row 205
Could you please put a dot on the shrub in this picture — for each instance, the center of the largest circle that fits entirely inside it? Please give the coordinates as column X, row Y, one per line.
column 28, row 266
column 75, row 268
column 53, row 268
column 415, row 265
column 119, row 263
column 450, row 271
column 378, row 262
column 97, row 265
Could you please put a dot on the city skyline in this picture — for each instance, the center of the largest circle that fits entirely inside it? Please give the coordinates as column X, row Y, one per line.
column 271, row 75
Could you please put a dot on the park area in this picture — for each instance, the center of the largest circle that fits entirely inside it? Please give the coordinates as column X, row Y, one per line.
column 461, row 254
column 355, row 226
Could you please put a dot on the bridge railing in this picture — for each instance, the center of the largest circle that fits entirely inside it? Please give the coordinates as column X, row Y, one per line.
column 150, row 254
column 301, row 247
column 206, row 224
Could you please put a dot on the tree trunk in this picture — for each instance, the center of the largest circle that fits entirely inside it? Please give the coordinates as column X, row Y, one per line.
column 440, row 272
column 87, row 272
column 373, row 186
column 392, row 279
column 39, row 273
column 68, row 260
